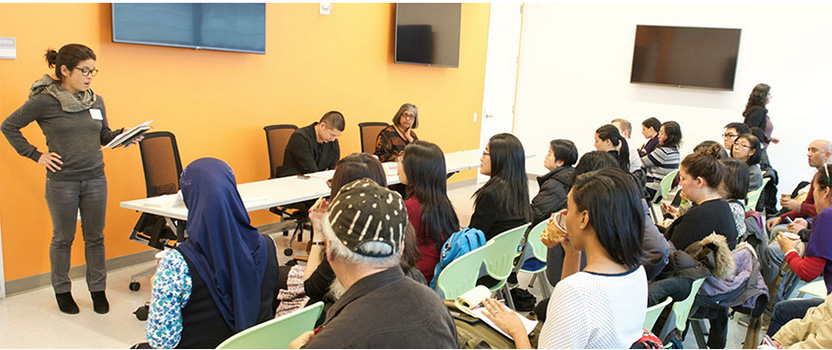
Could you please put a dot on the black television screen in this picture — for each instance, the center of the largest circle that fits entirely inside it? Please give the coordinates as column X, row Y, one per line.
column 428, row 34
column 214, row 26
column 686, row 56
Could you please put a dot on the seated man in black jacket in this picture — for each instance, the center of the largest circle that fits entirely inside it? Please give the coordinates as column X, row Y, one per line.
column 556, row 184
column 381, row 308
column 314, row 147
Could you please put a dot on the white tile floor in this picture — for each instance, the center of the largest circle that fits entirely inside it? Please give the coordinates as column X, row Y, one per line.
column 32, row 319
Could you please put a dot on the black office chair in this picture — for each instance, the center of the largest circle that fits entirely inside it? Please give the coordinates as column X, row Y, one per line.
column 369, row 132
column 277, row 137
column 162, row 167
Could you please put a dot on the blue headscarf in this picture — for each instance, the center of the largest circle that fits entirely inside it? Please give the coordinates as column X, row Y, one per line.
column 228, row 253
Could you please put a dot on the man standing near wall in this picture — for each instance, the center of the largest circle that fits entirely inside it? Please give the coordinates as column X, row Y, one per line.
column 315, row 147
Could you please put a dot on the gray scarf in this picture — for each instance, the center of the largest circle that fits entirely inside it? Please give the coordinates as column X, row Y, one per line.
column 71, row 103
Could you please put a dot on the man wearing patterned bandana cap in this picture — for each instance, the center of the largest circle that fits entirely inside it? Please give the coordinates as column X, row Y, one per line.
column 381, row 308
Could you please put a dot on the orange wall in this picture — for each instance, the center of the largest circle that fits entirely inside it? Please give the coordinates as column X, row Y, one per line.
column 217, row 102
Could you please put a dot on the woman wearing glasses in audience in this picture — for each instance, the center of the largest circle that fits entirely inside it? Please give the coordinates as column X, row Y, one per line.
column 392, row 140
column 588, row 309
column 747, row 149
column 816, row 260
column 503, row 202
column 74, row 120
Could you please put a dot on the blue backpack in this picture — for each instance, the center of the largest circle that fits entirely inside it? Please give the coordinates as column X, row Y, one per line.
column 457, row 245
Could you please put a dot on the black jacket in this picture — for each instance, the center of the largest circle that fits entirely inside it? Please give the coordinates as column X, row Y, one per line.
column 305, row 155
column 554, row 187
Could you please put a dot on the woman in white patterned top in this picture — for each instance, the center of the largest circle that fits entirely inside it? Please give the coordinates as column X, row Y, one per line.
column 590, row 309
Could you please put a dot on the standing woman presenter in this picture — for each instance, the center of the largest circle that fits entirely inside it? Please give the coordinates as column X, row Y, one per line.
column 74, row 121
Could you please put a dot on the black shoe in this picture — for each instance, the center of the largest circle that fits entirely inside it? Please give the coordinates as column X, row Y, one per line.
column 99, row 302
column 66, row 304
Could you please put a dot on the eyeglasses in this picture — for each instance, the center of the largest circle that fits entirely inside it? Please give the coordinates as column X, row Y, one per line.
column 484, row 153
column 409, row 115
column 729, row 136
column 742, row 145
column 88, row 72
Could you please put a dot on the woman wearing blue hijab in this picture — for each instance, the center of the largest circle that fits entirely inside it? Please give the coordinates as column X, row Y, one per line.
column 220, row 281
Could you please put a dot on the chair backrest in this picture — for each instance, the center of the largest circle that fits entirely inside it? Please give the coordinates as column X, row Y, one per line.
column 539, row 250
column 276, row 333
column 160, row 160
column 667, row 182
column 754, row 196
column 460, row 275
column 277, row 136
column 682, row 308
column 500, row 255
column 369, row 132
column 654, row 312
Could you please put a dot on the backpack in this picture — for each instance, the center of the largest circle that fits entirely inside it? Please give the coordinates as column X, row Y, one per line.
column 457, row 245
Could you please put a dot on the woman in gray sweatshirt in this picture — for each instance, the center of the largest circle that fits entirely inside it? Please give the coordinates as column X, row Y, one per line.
column 74, row 121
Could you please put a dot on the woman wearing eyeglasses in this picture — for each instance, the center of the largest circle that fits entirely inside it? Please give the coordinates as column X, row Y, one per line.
column 74, row 120
column 392, row 140
column 747, row 149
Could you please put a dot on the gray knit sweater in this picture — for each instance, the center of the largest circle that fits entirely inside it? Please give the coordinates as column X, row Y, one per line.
column 76, row 137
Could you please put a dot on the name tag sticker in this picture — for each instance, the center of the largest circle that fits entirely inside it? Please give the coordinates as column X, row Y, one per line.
column 95, row 113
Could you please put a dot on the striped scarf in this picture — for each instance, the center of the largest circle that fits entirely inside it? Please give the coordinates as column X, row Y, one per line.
column 70, row 103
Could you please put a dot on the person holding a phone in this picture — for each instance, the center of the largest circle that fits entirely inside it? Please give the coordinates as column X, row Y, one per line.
column 817, row 254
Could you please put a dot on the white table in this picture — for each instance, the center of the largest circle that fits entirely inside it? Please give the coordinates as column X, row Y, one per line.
column 287, row 190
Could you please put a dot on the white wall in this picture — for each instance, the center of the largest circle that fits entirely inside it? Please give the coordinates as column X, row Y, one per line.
column 575, row 62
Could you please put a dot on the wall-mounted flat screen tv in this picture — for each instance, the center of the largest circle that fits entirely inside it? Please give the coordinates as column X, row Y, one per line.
column 686, row 56
column 428, row 34
column 214, row 26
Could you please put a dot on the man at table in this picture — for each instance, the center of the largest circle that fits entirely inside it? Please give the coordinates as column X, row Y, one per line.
column 315, row 147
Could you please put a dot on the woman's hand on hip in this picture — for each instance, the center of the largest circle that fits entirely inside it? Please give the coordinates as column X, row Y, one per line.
column 51, row 161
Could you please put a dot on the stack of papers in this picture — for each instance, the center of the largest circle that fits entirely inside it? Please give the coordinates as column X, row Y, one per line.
column 125, row 138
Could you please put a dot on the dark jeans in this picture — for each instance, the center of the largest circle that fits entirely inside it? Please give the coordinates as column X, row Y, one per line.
column 788, row 310
column 676, row 287
column 65, row 199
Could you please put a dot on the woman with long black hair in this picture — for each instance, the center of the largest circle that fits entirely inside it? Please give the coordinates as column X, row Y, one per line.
column 422, row 170
column 503, row 202
column 609, row 139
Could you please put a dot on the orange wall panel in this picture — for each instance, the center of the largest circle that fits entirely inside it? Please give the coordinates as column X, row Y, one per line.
column 218, row 102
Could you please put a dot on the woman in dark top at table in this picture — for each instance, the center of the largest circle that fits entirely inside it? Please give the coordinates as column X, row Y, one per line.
column 503, row 202
column 700, row 176
column 392, row 140
column 422, row 169
column 74, row 120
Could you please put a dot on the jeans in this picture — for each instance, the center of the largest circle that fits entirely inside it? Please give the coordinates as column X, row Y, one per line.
column 65, row 199
column 788, row 310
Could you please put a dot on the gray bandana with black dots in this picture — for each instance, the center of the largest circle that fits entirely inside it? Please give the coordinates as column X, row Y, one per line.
column 363, row 211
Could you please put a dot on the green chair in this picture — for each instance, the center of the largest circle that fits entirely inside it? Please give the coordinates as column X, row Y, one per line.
column 499, row 258
column 653, row 313
column 754, row 196
column 681, row 311
column 539, row 251
column 664, row 188
column 276, row 333
column 460, row 275
column 815, row 289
